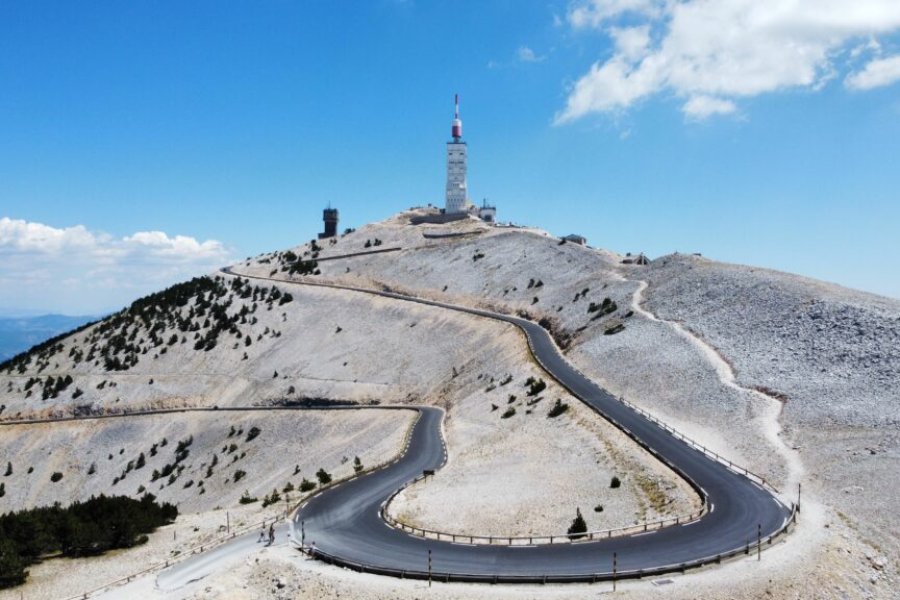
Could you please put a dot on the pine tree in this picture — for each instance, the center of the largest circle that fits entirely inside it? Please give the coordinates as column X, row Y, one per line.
column 578, row 527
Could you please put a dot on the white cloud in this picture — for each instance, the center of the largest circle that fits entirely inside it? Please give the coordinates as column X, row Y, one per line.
column 594, row 12
column 722, row 49
column 878, row 73
column 179, row 247
column 37, row 237
column 73, row 269
column 700, row 107
column 631, row 42
column 526, row 54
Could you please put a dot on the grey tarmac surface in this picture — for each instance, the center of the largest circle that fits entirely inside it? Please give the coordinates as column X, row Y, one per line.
column 346, row 526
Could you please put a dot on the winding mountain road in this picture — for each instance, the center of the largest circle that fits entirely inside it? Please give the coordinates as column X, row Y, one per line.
column 346, row 525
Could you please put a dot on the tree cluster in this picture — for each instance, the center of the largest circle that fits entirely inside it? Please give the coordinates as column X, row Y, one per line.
column 87, row 528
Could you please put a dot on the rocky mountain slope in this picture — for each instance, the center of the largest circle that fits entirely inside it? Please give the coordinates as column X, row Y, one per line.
column 795, row 379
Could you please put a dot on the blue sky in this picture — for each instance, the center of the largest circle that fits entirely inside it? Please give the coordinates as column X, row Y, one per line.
column 144, row 142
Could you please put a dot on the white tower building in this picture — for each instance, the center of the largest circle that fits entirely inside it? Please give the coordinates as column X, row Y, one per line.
column 457, row 192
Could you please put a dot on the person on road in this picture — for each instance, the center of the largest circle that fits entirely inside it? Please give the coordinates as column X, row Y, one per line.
column 271, row 534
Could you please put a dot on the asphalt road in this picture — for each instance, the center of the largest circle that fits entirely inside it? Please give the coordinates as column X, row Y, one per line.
column 345, row 523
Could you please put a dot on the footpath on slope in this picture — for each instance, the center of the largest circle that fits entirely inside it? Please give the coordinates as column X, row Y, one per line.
column 727, row 377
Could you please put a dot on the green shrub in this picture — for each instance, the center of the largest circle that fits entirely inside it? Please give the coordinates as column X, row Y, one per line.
column 535, row 386
column 614, row 328
column 559, row 408
column 246, row 498
column 238, row 475
column 56, row 476
column 509, row 412
column 357, row 465
column 598, row 508
column 614, row 482
column 271, row 498
column 323, row 476
column 251, row 435
column 306, row 485
column 578, row 527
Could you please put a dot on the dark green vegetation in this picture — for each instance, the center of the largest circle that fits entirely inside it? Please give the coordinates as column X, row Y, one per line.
column 271, row 498
column 83, row 529
column 198, row 311
column 578, row 527
column 557, row 409
column 614, row 328
column 606, row 307
column 535, row 386
column 323, row 476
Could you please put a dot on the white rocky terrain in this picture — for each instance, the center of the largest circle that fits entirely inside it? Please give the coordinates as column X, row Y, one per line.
column 795, row 379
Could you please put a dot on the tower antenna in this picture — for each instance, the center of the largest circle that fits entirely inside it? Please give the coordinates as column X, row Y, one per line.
column 456, row 130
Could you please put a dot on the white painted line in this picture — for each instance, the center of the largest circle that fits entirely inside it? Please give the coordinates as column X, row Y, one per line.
column 691, row 523
column 643, row 533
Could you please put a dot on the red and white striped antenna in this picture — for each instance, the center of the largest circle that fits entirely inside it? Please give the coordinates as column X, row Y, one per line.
column 456, row 130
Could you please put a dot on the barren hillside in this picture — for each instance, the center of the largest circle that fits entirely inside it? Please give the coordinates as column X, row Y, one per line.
column 795, row 379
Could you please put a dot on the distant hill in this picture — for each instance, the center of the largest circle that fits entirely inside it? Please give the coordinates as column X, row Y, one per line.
column 21, row 333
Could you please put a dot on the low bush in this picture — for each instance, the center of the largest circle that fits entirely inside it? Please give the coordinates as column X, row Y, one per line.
column 271, row 498
column 306, row 485
column 535, row 386
column 557, row 409
column 615, row 482
column 323, row 476
column 614, row 328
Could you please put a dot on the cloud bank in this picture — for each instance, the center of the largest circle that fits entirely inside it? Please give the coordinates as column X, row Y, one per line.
column 712, row 53
column 75, row 270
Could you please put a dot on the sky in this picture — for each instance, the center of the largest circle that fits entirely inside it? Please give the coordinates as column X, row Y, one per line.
column 143, row 143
